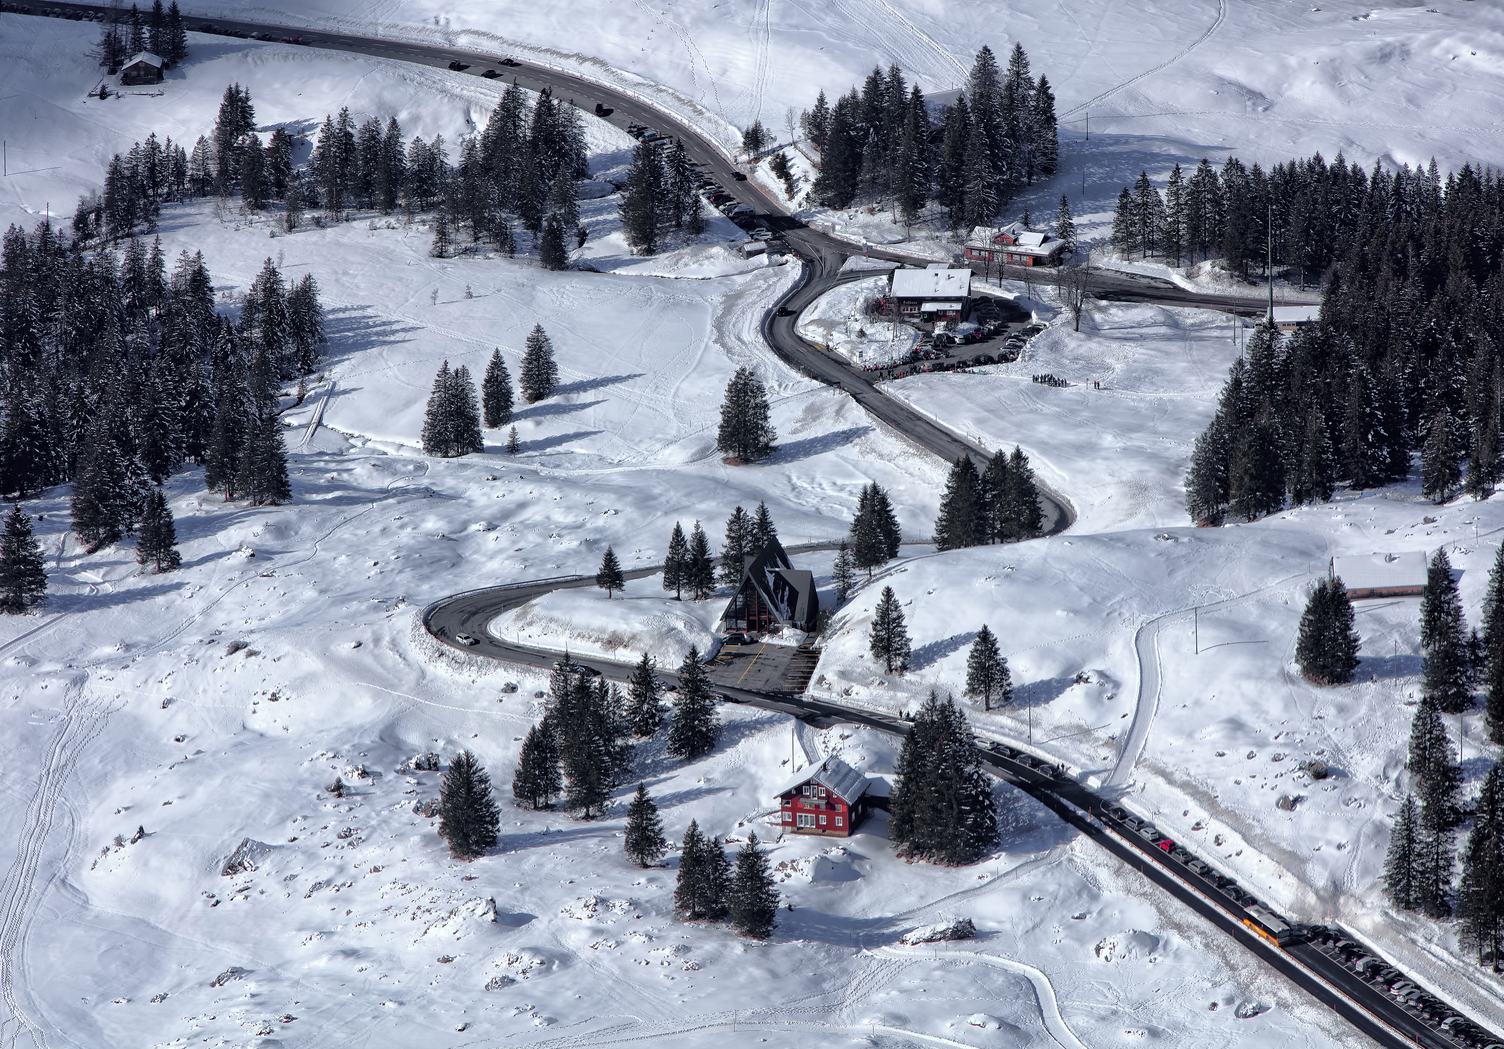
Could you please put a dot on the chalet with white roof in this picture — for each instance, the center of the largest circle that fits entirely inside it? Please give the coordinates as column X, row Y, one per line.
column 1014, row 245
column 1381, row 575
column 1293, row 318
column 141, row 68
column 830, row 798
column 935, row 293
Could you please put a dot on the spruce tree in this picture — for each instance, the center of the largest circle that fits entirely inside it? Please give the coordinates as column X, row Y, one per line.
column 762, row 532
column 514, row 444
column 987, row 672
column 539, row 372
column 1437, row 859
column 753, row 902
column 875, row 536
column 23, row 578
column 1431, row 759
column 1065, row 225
column 609, row 577
column 156, row 541
column 1441, row 459
column 1401, row 861
column 889, row 638
column 587, row 746
column 746, row 432
column 553, row 253
column 961, row 521
column 676, row 563
column 496, row 392
column 644, row 715
column 693, row 726
column 1440, row 603
column 843, row 574
column 942, row 806
column 643, row 841
column 468, row 817
column 262, row 475
column 717, row 878
column 537, row 782
column 642, row 204
column 737, row 547
column 1327, row 647
column 1493, row 650
column 1480, row 892
column 689, row 890
column 699, row 570
column 1021, row 516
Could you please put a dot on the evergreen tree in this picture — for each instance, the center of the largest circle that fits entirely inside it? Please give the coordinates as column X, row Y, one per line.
column 1327, row 646
column 1206, row 482
column 875, row 536
column 962, row 516
column 496, row 393
column 609, row 578
column 1021, row 516
column 843, row 574
column 1480, row 893
column 1441, row 460
column 987, row 672
column 1401, row 861
column 889, row 637
column 717, row 867
column 699, row 570
column 553, row 253
column 693, row 727
column 1431, row 760
column 745, row 433
column 514, row 445
column 156, row 543
column 1065, row 225
column 23, row 579
column 1436, row 860
column 737, row 548
column 468, row 817
column 942, row 806
column 539, row 372
column 676, row 563
column 762, row 532
column 537, row 782
column 753, row 903
column 1443, row 635
column 1493, row 649
column 587, row 745
column 700, row 892
column 644, row 714
column 642, row 204
column 643, row 842
column 442, row 245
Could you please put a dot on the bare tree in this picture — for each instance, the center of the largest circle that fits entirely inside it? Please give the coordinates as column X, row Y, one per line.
column 1075, row 288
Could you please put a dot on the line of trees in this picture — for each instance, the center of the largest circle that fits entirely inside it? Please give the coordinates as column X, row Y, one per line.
column 877, row 143
column 116, row 373
column 662, row 196
column 454, row 414
column 997, row 505
column 161, row 32
column 1421, row 868
column 943, row 809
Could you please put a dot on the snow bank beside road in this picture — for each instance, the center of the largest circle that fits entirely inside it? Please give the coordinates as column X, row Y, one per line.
column 838, row 321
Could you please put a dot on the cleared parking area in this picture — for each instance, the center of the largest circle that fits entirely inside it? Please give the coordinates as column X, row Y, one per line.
column 763, row 666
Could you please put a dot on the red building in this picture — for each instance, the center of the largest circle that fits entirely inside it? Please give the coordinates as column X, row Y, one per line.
column 829, row 798
column 1013, row 245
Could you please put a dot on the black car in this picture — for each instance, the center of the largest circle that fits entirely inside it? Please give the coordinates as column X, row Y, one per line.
column 783, row 311
column 603, row 110
column 490, row 74
column 458, row 66
column 739, row 176
column 511, row 62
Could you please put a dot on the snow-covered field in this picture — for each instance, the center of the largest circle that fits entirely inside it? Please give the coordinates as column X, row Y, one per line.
column 215, row 704
column 837, row 321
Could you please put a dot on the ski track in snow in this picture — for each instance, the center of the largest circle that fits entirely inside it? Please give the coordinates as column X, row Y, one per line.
column 1167, row 63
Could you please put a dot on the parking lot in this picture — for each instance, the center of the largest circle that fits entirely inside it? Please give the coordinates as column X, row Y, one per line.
column 762, row 666
column 992, row 339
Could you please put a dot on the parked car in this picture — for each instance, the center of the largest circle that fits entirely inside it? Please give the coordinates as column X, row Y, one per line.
column 602, row 110
column 512, row 62
column 490, row 74
column 458, row 66
column 739, row 176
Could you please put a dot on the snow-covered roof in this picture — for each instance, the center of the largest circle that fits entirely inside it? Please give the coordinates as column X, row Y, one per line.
column 1296, row 314
column 1025, row 241
column 834, row 775
column 1031, row 239
column 1381, row 571
column 931, row 307
column 144, row 56
column 933, row 282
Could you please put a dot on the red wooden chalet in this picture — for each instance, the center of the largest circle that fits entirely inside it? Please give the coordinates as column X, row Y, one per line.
column 828, row 798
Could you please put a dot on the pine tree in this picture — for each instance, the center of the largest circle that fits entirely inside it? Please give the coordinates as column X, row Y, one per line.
column 156, row 542
column 1436, row 860
column 889, row 638
column 763, row 533
column 609, row 578
column 961, row 521
column 753, row 903
column 693, row 727
column 699, row 570
column 467, row 413
column 468, row 817
column 23, row 579
column 1493, row 649
column 695, row 892
column 1443, row 635
column 539, row 372
column 1400, row 863
column 875, row 536
column 676, row 563
column 843, row 574
column 1327, row 647
column 537, row 782
column 987, row 672
column 586, row 745
column 745, row 434
column 942, row 806
column 644, row 715
column 643, row 842
column 1065, row 225
column 1431, row 760
column 1021, row 516
column 442, row 245
column 737, row 547
column 496, row 393
column 1441, row 459
column 1480, row 893
column 514, row 444
column 642, row 204
column 553, row 253
column 718, row 876
column 1206, row 482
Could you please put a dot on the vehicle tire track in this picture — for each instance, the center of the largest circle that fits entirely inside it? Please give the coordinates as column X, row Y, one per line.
column 1182, row 53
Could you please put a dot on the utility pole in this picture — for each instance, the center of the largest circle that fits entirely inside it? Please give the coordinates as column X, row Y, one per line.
column 1085, row 143
column 1269, row 257
column 1196, row 627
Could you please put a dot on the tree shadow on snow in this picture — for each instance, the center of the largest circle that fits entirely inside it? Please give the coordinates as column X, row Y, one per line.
column 1390, row 667
column 807, row 447
column 927, row 655
column 105, row 599
column 1039, row 693
column 597, row 383
column 552, row 408
column 543, row 444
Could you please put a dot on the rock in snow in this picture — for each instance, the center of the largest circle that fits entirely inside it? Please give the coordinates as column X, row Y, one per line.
column 958, row 929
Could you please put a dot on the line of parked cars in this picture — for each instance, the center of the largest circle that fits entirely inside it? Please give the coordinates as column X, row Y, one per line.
column 1418, row 1002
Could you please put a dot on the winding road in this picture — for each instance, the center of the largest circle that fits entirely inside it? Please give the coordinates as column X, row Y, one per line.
column 1214, row 897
